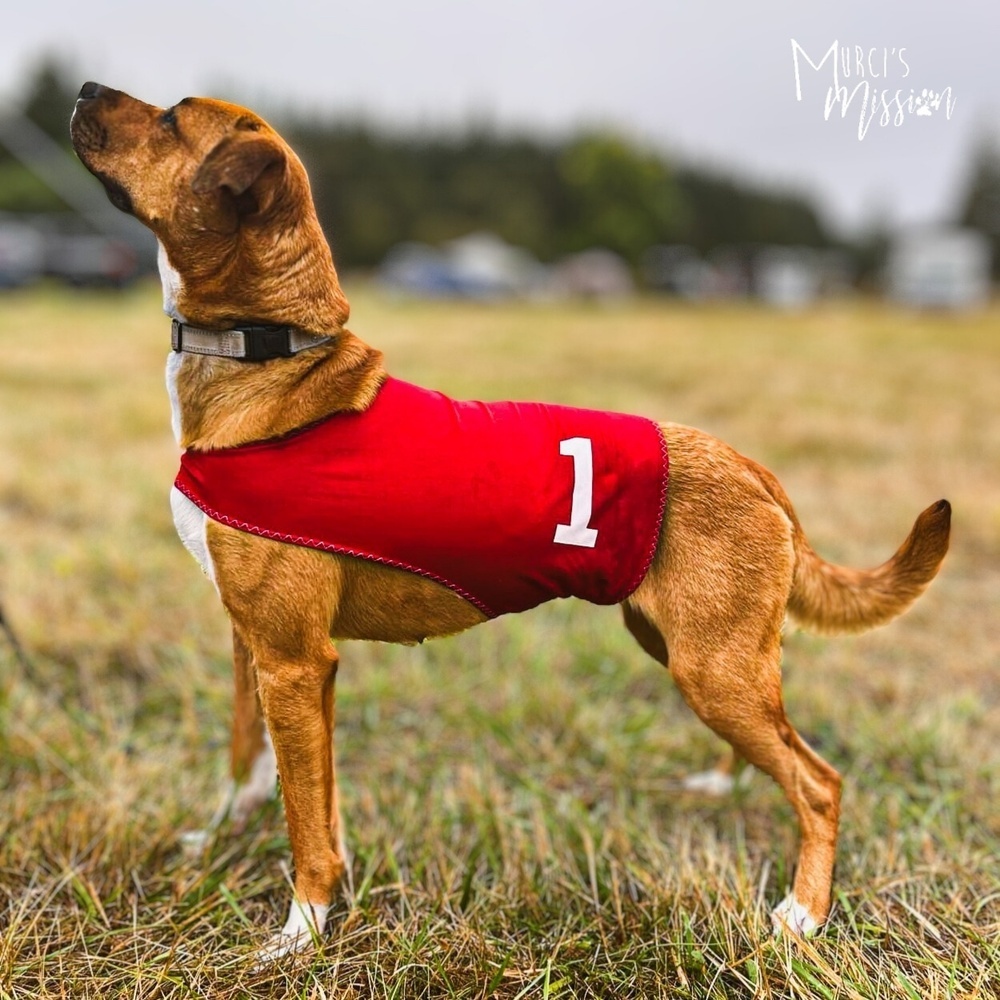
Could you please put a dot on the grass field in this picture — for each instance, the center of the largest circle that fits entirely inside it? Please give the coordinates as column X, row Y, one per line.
column 510, row 795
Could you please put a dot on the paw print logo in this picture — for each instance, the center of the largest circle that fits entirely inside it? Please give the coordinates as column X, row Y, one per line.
column 927, row 102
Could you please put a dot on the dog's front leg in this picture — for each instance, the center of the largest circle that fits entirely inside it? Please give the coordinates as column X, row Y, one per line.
column 297, row 696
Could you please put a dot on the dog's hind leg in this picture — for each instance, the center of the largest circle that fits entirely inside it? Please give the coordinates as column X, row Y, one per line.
column 716, row 598
column 735, row 688
column 736, row 691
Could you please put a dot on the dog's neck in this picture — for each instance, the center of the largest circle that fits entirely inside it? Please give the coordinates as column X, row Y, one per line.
column 281, row 274
column 219, row 402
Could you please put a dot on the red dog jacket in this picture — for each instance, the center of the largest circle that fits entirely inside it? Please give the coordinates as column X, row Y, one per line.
column 508, row 504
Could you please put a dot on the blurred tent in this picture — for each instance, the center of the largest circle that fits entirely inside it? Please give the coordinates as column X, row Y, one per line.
column 677, row 269
column 793, row 277
column 479, row 265
column 788, row 277
column 597, row 273
column 940, row 267
column 484, row 267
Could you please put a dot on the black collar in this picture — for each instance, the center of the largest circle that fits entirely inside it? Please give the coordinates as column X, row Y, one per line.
column 244, row 342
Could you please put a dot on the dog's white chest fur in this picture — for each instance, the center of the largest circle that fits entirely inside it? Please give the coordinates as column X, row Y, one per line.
column 171, row 282
column 189, row 520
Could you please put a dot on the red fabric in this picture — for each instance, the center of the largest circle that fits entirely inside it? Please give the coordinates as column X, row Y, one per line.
column 466, row 493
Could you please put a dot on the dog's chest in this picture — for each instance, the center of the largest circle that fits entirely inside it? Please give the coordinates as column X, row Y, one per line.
column 508, row 504
column 189, row 520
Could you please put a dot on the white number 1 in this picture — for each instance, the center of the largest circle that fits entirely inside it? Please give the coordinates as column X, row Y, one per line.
column 578, row 531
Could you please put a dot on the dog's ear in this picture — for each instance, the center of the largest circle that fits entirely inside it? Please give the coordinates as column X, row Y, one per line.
column 245, row 166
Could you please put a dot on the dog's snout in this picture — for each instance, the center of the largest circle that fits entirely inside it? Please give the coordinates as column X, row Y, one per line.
column 91, row 90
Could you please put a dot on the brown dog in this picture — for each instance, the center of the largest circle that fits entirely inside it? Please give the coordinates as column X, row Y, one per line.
column 240, row 244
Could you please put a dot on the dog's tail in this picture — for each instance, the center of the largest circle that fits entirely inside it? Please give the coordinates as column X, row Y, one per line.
column 828, row 598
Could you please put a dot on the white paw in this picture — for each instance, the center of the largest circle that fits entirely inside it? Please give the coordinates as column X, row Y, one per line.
column 709, row 783
column 716, row 783
column 791, row 915
column 302, row 929
column 194, row 843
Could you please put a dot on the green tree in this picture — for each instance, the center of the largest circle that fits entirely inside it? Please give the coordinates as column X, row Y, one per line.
column 725, row 212
column 47, row 99
column 50, row 95
column 621, row 197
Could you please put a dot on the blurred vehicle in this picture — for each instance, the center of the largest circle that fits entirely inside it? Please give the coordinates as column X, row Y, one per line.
column 417, row 269
column 22, row 253
column 480, row 266
column 90, row 260
column 33, row 247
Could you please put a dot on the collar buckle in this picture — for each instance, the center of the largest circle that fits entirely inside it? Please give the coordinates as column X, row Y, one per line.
column 262, row 343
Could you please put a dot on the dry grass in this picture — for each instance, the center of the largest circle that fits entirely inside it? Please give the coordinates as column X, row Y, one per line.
column 508, row 794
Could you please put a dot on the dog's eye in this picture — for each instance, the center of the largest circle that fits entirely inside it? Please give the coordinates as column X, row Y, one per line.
column 245, row 124
column 169, row 118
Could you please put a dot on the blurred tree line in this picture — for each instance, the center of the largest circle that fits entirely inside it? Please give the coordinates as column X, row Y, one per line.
column 374, row 189
column 47, row 100
column 980, row 207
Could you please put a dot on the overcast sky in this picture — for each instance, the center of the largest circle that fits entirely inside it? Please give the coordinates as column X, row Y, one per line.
column 709, row 81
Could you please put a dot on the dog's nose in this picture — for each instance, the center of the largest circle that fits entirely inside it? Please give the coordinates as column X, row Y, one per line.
column 91, row 90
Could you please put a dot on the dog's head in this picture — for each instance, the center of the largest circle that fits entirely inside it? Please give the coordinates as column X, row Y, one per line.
column 199, row 165
column 222, row 191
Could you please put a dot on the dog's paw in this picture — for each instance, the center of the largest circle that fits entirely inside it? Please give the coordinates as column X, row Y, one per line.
column 717, row 783
column 301, row 932
column 194, row 843
column 714, row 783
column 790, row 916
